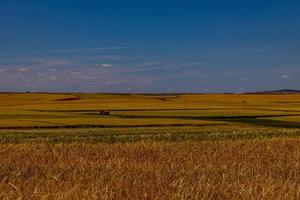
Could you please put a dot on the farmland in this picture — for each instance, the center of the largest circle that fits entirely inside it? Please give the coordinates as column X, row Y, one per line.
column 175, row 146
column 146, row 116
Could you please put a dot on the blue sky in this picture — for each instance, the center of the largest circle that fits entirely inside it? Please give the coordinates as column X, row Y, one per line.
column 149, row 46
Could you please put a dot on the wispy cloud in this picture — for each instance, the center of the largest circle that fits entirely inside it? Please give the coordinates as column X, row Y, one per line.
column 75, row 72
column 285, row 76
column 23, row 69
column 110, row 57
column 83, row 49
column 51, row 61
column 52, row 78
column 105, row 65
column 65, row 50
column 245, row 78
column 52, row 70
column 41, row 74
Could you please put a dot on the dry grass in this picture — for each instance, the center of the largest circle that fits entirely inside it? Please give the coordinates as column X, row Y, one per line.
column 242, row 169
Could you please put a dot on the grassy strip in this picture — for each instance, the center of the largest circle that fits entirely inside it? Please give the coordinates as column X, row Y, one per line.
column 130, row 137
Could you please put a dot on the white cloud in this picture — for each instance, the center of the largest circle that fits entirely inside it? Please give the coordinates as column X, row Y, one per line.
column 83, row 49
column 245, row 78
column 23, row 69
column 105, row 65
column 66, row 50
column 52, row 70
column 52, row 78
column 2, row 70
column 41, row 74
column 285, row 76
column 75, row 72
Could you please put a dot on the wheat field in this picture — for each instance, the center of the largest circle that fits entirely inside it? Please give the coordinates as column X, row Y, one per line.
column 251, row 169
column 57, row 146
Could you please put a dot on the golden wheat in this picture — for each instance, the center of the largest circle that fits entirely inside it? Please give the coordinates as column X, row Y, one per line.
column 251, row 169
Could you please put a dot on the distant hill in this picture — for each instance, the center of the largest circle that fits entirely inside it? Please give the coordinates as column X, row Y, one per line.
column 285, row 91
column 173, row 94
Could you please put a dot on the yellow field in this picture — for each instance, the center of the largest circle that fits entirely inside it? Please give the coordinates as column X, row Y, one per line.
column 48, row 110
column 58, row 146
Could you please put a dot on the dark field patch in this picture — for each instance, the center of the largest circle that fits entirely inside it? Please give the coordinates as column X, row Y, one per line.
column 171, row 109
column 258, row 120
column 84, row 126
column 69, row 99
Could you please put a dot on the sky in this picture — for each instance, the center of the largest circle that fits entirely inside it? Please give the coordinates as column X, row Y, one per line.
column 156, row 46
